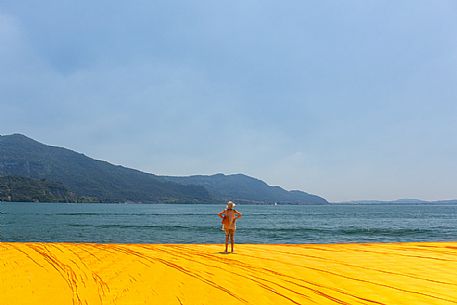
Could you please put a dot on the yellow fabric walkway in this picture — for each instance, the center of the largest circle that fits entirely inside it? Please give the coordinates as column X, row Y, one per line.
column 390, row 273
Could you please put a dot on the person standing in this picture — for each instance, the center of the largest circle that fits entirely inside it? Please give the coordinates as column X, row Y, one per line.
column 229, row 217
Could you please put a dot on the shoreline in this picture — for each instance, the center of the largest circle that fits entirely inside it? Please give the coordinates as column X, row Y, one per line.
column 347, row 273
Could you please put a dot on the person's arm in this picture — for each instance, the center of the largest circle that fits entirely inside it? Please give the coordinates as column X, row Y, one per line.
column 221, row 214
column 238, row 215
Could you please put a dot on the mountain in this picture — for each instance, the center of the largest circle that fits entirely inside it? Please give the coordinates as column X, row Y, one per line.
column 19, row 189
column 105, row 182
column 242, row 188
column 399, row 202
column 22, row 156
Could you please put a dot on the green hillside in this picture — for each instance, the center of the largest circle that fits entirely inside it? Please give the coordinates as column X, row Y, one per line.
column 21, row 156
column 243, row 188
column 26, row 189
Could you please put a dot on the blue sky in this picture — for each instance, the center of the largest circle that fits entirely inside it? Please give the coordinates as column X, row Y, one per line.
column 344, row 99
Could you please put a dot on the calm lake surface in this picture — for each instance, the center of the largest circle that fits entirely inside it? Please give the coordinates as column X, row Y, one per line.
column 195, row 223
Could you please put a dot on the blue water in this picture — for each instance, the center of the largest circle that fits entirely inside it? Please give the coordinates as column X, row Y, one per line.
column 194, row 223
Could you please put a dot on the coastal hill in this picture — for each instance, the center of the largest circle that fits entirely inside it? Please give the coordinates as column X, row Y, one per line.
column 27, row 189
column 22, row 156
column 404, row 201
column 244, row 188
column 105, row 182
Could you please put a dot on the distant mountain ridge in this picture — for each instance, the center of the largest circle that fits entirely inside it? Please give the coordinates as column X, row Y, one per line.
column 243, row 188
column 22, row 156
column 399, row 201
column 86, row 177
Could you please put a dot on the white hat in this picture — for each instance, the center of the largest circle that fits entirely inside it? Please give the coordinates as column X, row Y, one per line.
column 231, row 203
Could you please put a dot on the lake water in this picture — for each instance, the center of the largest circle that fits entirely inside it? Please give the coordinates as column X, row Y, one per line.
column 195, row 223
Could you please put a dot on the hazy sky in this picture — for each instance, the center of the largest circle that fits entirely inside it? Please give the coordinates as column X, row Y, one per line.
column 344, row 99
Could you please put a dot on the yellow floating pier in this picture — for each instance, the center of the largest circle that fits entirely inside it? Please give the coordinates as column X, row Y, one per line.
column 382, row 273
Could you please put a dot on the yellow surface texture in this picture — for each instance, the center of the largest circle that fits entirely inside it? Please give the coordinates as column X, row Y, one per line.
column 389, row 273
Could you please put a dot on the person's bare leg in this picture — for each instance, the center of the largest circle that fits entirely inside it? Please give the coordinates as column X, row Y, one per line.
column 226, row 242
column 232, row 240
